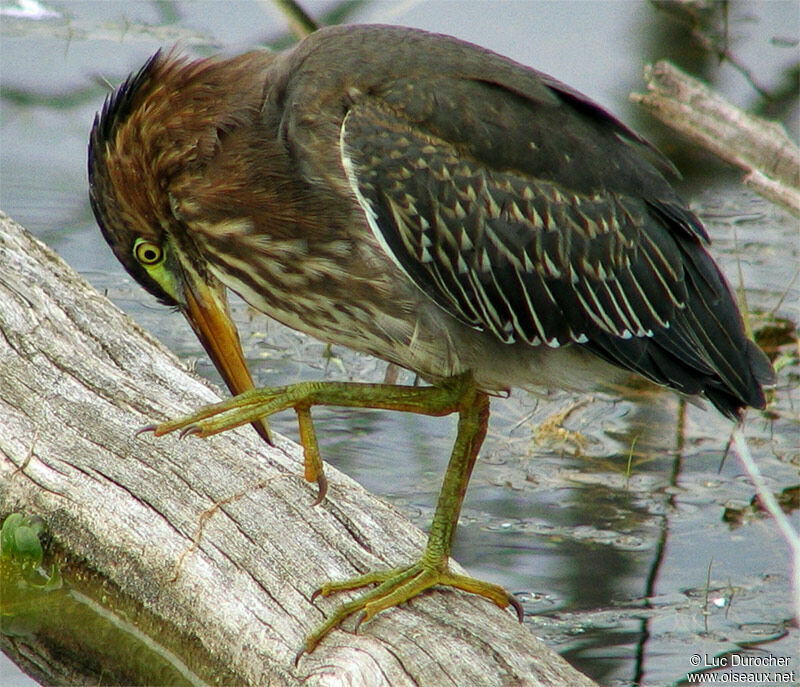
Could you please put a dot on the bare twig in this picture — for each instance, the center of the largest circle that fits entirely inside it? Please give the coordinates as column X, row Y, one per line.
column 300, row 22
column 759, row 147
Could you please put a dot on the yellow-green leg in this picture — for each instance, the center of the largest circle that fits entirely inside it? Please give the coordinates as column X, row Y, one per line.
column 254, row 405
column 398, row 585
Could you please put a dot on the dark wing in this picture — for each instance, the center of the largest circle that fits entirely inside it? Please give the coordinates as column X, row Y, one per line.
column 542, row 221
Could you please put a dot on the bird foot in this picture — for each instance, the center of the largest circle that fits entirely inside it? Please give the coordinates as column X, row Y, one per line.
column 247, row 407
column 395, row 587
column 257, row 404
column 218, row 417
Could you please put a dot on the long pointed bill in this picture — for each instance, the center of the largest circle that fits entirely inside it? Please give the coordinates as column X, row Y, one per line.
column 207, row 311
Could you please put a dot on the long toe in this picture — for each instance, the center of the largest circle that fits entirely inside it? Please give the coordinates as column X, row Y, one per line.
column 395, row 587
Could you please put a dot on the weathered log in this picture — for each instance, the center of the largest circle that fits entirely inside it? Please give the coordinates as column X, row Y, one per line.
column 759, row 147
column 216, row 540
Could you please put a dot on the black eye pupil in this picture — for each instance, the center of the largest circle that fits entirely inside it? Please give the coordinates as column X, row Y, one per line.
column 147, row 253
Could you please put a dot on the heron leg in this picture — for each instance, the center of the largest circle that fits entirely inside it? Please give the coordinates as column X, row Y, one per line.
column 255, row 405
column 398, row 585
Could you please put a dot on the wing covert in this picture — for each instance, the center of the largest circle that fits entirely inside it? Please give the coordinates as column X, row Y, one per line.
column 524, row 258
column 519, row 206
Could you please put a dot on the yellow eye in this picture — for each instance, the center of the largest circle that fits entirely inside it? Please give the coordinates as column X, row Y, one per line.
column 147, row 252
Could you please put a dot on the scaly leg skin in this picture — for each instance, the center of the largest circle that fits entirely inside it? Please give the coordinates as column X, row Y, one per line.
column 256, row 404
column 396, row 586
column 313, row 469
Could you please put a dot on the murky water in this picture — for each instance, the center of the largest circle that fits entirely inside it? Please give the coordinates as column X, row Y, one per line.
column 608, row 523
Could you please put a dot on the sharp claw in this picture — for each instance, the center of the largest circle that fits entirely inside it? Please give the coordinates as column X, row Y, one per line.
column 317, row 592
column 146, row 428
column 191, row 430
column 513, row 601
column 359, row 620
column 322, row 486
column 299, row 655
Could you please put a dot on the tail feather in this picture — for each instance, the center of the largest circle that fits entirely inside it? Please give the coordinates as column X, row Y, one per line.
column 704, row 350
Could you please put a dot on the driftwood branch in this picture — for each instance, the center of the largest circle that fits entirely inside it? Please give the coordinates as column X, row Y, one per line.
column 760, row 147
column 214, row 541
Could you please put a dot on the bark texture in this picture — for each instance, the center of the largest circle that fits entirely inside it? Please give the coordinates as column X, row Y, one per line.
column 761, row 148
column 216, row 540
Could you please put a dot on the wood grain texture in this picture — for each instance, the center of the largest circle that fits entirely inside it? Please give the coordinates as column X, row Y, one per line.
column 77, row 378
column 760, row 147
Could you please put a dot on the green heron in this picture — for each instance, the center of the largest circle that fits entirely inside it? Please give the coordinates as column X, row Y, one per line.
column 426, row 201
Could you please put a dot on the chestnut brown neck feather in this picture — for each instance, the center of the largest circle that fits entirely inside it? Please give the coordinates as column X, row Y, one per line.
column 183, row 144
